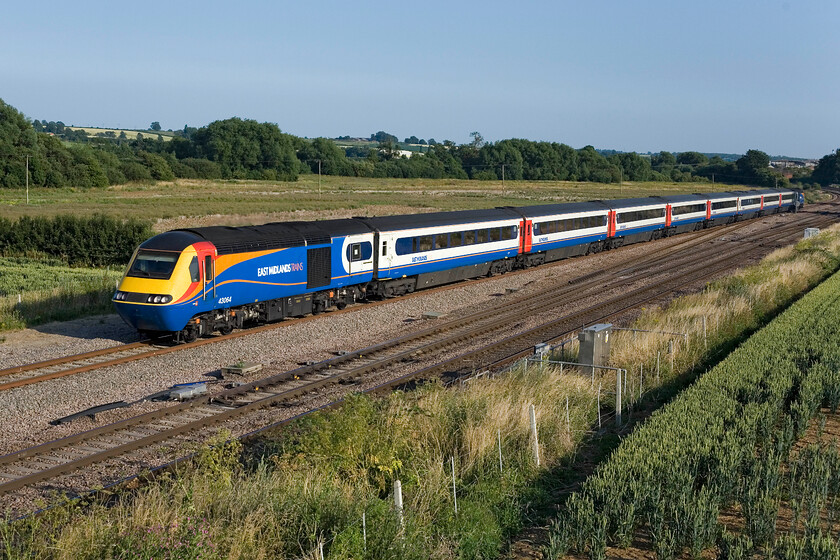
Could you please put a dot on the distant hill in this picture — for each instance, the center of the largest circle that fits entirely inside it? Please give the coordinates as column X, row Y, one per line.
column 129, row 134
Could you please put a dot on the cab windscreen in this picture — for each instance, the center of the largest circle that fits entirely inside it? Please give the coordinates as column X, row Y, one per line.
column 153, row 264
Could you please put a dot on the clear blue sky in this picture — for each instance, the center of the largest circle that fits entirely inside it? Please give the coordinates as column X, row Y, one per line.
column 712, row 76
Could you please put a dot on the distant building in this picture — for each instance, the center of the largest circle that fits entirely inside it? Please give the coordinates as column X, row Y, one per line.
column 793, row 163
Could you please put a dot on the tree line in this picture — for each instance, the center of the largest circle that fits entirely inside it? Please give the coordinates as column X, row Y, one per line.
column 245, row 149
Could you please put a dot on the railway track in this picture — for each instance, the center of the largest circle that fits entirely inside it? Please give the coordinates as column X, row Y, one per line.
column 120, row 439
column 19, row 376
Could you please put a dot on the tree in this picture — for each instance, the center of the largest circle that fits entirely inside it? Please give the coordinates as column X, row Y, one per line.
column 383, row 136
column 663, row 161
column 477, row 140
column 154, row 126
column 333, row 160
column 754, row 162
column 692, row 158
column 246, row 149
column 827, row 171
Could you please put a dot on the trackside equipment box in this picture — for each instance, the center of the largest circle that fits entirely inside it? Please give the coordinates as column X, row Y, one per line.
column 595, row 344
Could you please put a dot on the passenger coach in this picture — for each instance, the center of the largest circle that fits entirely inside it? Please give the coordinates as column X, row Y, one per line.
column 192, row 282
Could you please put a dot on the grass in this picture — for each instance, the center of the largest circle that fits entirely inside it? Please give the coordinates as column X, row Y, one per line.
column 305, row 199
column 310, row 484
column 51, row 291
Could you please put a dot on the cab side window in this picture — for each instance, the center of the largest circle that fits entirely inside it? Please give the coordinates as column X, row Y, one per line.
column 194, row 276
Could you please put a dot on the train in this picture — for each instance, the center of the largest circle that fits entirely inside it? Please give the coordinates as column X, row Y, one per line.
column 193, row 282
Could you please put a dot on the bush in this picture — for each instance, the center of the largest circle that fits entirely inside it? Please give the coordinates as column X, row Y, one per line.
column 204, row 168
column 97, row 240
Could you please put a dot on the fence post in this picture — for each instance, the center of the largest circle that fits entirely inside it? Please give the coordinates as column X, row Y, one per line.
column 705, row 341
column 499, row 436
column 454, row 493
column 618, row 397
column 568, row 422
column 641, row 378
column 364, row 531
column 599, row 406
column 533, row 414
column 398, row 501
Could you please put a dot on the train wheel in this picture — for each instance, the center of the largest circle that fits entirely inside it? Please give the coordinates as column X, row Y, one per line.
column 226, row 330
column 189, row 335
column 341, row 304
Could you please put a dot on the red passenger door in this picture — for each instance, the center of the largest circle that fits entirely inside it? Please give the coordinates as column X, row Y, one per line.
column 525, row 235
column 611, row 224
column 207, row 264
column 667, row 215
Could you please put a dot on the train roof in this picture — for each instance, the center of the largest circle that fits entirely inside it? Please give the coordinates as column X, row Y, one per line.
column 411, row 221
column 276, row 235
column 719, row 195
column 561, row 208
column 671, row 199
column 633, row 202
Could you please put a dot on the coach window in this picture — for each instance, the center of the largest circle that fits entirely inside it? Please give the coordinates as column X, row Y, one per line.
column 508, row 233
column 441, row 241
column 208, row 268
column 194, row 275
column 481, row 236
column 469, row 237
column 455, row 238
column 495, row 234
column 424, row 243
column 384, row 248
column 403, row 246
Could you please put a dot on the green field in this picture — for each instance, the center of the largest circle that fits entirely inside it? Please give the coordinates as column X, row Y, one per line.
column 309, row 198
column 38, row 290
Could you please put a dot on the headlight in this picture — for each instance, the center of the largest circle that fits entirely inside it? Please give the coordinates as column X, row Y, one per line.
column 158, row 298
column 119, row 296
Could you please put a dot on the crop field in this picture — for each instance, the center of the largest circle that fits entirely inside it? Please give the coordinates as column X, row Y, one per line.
column 131, row 134
column 718, row 468
column 49, row 290
column 238, row 202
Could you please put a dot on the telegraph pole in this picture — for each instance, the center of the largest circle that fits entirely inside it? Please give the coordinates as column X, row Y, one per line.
column 27, row 180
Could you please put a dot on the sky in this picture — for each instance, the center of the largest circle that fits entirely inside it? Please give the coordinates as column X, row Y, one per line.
column 710, row 76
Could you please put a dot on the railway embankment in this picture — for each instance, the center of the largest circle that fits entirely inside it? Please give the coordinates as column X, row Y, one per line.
column 328, row 481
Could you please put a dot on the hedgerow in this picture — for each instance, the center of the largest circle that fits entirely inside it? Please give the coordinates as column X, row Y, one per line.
column 98, row 240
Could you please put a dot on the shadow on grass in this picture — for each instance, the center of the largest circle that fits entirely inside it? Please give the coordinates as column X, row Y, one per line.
column 49, row 314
